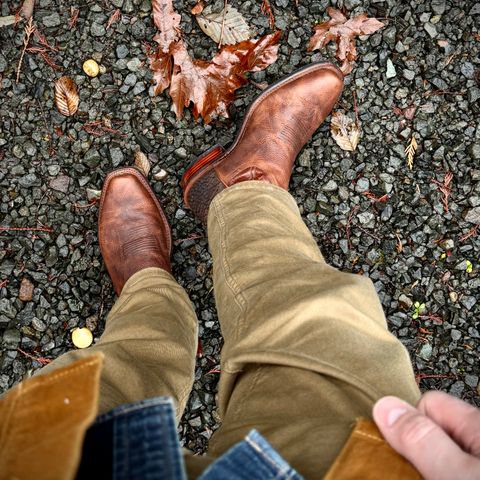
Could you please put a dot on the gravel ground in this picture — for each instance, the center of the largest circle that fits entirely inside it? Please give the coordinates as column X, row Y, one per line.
column 409, row 246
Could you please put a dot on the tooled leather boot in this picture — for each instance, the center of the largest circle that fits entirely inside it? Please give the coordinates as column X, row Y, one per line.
column 133, row 231
column 276, row 127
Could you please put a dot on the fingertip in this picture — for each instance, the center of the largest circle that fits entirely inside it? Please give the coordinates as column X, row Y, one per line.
column 388, row 410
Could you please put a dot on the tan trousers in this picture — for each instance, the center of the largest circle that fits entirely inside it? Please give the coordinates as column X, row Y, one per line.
column 306, row 349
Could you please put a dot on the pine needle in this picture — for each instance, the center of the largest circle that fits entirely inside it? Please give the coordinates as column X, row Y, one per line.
column 410, row 151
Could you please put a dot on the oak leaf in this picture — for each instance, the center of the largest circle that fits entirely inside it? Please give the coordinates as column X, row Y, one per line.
column 345, row 131
column 209, row 85
column 343, row 31
column 66, row 96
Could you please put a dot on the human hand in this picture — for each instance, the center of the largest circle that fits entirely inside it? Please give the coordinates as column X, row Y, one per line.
column 441, row 437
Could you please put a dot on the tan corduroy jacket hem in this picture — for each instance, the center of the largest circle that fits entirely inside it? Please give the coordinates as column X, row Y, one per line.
column 43, row 421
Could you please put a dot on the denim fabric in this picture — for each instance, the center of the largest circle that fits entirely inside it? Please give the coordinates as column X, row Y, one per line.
column 143, row 443
column 251, row 459
column 139, row 441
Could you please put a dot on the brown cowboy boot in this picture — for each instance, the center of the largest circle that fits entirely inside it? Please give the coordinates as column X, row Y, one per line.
column 133, row 231
column 276, row 127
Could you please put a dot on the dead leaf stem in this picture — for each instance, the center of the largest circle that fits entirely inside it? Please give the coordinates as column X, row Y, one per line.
column 223, row 23
column 267, row 11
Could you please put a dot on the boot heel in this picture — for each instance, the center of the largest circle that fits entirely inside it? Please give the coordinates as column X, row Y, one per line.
column 201, row 193
column 200, row 183
column 207, row 157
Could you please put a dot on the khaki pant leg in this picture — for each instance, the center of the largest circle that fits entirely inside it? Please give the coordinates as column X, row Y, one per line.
column 149, row 343
column 306, row 347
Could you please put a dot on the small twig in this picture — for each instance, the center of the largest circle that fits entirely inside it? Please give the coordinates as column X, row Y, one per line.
column 421, row 376
column 42, row 40
column 214, row 370
column 366, row 232
column 194, row 236
column 98, row 128
column 3, row 284
column 375, row 199
column 443, row 92
column 355, row 107
column 73, row 17
column 353, row 211
column 434, row 317
column 29, row 29
column 78, row 206
column 471, row 233
column 102, row 302
column 47, row 129
column 42, row 360
column 223, row 24
column 46, row 58
column 26, row 229
column 445, row 188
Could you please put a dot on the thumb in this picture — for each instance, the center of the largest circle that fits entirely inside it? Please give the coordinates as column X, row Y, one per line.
column 422, row 442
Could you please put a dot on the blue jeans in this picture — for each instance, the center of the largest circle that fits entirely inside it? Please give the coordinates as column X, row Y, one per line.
column 139, row 441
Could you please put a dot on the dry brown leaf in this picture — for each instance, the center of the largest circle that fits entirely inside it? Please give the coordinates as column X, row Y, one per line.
column 25, row 293
column 209, row 85
column 167, row 21
column 66, row 96
column 345, row 131
column 343, row 31
column 142, row 163
column 229, row 26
